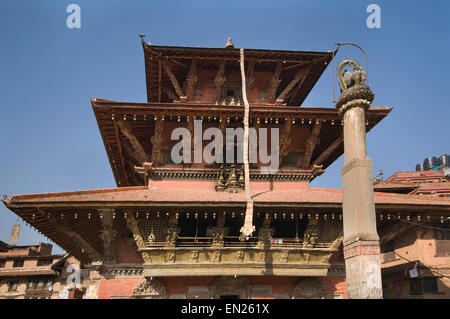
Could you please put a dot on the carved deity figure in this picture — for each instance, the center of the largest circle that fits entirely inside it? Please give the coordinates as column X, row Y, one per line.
column 172, row 235
column 311, row 235
column 265, row 234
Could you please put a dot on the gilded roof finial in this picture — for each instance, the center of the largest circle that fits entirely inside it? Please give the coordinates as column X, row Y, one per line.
column 229, row 44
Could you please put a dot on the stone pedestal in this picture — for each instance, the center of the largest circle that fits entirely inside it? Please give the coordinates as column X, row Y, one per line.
column 361, row 242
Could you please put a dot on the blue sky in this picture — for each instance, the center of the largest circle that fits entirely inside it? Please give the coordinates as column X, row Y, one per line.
column 50, row 139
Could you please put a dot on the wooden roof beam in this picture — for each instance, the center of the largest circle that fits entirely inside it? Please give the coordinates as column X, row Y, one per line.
column 330, row 149
column 122, row 160
column 79, row 241
column 168, row 69
column 301, row 83
column 299, row 76
column 137, row 151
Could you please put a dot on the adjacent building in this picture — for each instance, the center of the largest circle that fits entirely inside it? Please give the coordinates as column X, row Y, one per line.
column 33, row 272
column 416, row 256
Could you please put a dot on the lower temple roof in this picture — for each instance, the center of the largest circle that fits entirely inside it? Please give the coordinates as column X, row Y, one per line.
column 137, row 195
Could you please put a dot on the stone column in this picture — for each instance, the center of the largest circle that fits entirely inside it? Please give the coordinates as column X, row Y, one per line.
column 361, row 242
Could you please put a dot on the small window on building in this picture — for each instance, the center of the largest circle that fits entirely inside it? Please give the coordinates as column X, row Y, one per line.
column 2, row 263
column 40, row 283
column 30, row 284
column 18, row 263
column 44, row 262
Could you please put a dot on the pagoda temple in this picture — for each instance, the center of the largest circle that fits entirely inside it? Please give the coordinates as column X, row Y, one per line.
column 173, row 230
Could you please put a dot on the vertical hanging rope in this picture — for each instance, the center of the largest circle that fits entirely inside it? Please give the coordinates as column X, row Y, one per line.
column 248, row 227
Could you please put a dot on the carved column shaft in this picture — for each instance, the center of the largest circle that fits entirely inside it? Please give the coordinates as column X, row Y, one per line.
column 361, row 243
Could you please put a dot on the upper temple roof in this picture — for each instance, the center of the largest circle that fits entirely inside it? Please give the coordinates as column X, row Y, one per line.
column 166, row 65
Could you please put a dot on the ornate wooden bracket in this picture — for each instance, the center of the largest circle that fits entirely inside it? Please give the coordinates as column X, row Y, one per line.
column 133, row 226
column 219, row 80
column 249, row 78
column 108, row 234
column 285, row 139
column 311, row 145
column 136, row 150
column 330, row 149
column 191, row 79
column 168, row 69
column 157, row 141
column 274, row 82
column 299, row 76
column 294, row 93
column 64, row 227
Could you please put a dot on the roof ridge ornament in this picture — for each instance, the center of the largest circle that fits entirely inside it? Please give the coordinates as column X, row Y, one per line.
column 229, row 44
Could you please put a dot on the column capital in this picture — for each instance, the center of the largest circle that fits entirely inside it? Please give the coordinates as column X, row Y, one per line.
column 356, row 96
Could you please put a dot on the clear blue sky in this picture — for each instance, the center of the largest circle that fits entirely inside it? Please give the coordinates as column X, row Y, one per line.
column 48, row 72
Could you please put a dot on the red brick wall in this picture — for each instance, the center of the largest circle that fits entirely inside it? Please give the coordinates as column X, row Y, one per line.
column 335, row 284
column 117, row 287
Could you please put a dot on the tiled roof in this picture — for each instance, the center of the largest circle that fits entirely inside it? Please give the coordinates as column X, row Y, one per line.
column 143, row 194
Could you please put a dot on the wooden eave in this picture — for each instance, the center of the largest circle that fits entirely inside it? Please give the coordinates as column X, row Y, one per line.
column 81, row 215
column 140, row 118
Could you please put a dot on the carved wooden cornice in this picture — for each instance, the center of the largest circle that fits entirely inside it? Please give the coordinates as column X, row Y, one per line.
column 120, row 272
column 214, row 175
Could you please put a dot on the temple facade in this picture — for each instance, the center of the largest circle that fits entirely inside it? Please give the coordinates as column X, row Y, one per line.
column 172, row 229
